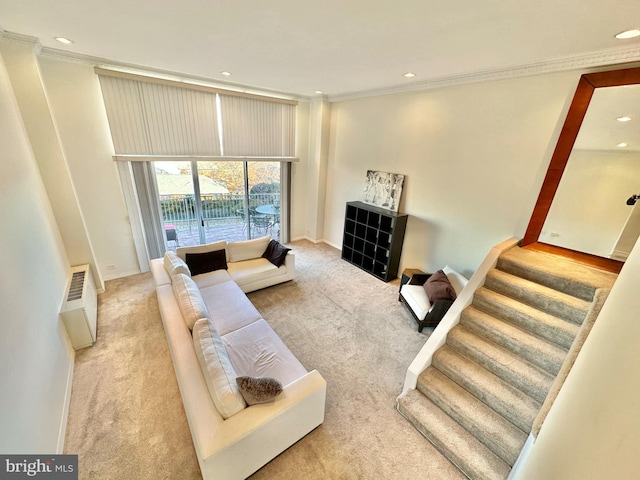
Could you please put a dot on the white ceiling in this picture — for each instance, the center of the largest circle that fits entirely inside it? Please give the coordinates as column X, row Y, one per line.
column 342, row 47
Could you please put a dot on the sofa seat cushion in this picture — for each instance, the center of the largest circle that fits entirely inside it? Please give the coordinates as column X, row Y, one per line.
column 190, row 301
column 416, row 298
column 229, row 308
column 257, row 351
column 254, row 270
column 208, row 279
column 217, row 369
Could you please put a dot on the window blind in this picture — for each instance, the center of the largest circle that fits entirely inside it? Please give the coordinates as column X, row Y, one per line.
column 155, row 118
column 255, row 127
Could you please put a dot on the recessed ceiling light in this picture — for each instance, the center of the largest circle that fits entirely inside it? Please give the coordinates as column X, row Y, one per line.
column 319, row 92
column 409, row 75
column 622, row 145
column 623, row 119
column 226, row 74
column 628, row 34
column 64, row 40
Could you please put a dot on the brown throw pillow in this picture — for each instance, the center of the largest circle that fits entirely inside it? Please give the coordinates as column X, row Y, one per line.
column 256, row 390
column 438, row 287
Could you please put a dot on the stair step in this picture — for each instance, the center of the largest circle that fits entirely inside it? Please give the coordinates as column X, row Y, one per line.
column 527, row 318
column 555, row 272
column 505, row 364
column 499, row 435
column 513, row 404
column 543, row 298
column 457, row 444
column 538, row 351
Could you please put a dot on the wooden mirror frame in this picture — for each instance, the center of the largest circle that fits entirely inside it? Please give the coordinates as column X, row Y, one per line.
column 577, row 111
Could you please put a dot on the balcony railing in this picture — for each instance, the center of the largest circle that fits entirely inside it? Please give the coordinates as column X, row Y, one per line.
column 222, row 211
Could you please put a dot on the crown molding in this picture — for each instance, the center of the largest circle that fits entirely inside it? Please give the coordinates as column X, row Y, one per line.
column 88, row 60
column 586, row 62
column 62, row 55
column 20, row 39
column 593, row 60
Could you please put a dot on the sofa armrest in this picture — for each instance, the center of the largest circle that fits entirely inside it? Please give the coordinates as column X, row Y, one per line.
column 265, row 430
column 290, row 261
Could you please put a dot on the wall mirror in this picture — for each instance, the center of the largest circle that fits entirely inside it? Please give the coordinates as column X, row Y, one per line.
column 581, row 211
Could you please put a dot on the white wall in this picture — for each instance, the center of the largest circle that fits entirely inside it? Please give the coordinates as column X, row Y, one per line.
column 474, row 157
column 593, row 429
column 36, row 362
column 22, row 67
column 299, row 192
column 75, row 99
column 594, row 189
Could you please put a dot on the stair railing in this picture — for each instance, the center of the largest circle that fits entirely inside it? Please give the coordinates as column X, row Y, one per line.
column 452, row 317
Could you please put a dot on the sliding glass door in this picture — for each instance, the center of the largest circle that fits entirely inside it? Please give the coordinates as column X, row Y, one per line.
column 203, row 202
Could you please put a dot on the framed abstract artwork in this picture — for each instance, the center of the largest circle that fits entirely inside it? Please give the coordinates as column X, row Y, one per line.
column 383, row 189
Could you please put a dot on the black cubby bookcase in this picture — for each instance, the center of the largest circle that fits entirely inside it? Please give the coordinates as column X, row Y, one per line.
column 373, row 238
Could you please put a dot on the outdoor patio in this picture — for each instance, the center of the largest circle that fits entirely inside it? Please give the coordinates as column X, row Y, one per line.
column 223, row 216
column 234, row 229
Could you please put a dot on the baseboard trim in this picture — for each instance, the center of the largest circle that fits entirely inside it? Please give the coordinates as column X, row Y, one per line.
column 62, row 431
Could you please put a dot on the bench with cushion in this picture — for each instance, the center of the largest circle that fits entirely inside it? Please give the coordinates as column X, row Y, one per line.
column 429, row 296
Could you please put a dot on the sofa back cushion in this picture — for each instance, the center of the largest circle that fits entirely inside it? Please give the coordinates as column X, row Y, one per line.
column 189, row 299
column 247, row 249
column 217, row 369
column 174, row 264
column 209, row 247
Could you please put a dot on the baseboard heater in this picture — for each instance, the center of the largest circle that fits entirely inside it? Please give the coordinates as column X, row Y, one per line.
column 80, row 309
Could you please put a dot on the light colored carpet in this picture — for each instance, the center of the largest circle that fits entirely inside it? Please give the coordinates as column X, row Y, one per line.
column 126, row 418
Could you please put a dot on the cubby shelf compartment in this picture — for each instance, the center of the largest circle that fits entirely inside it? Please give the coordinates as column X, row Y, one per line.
column 373, row 239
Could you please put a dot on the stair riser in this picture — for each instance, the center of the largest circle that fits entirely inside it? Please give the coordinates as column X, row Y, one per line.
column 497, row 434
column 559, row 336
column 549, row 362
column 463, row 450
column 541, row 302
column 511, row 405
column 535, row 385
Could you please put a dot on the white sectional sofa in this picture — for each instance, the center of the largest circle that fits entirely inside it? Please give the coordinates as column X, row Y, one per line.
column 232, row 439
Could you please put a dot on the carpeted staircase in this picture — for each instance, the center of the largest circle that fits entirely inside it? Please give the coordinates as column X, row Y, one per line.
column 487, row 386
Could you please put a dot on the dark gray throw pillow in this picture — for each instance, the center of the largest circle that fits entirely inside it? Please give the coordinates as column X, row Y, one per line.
column 256, row 390
column 276, row 253
column 206, row 262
